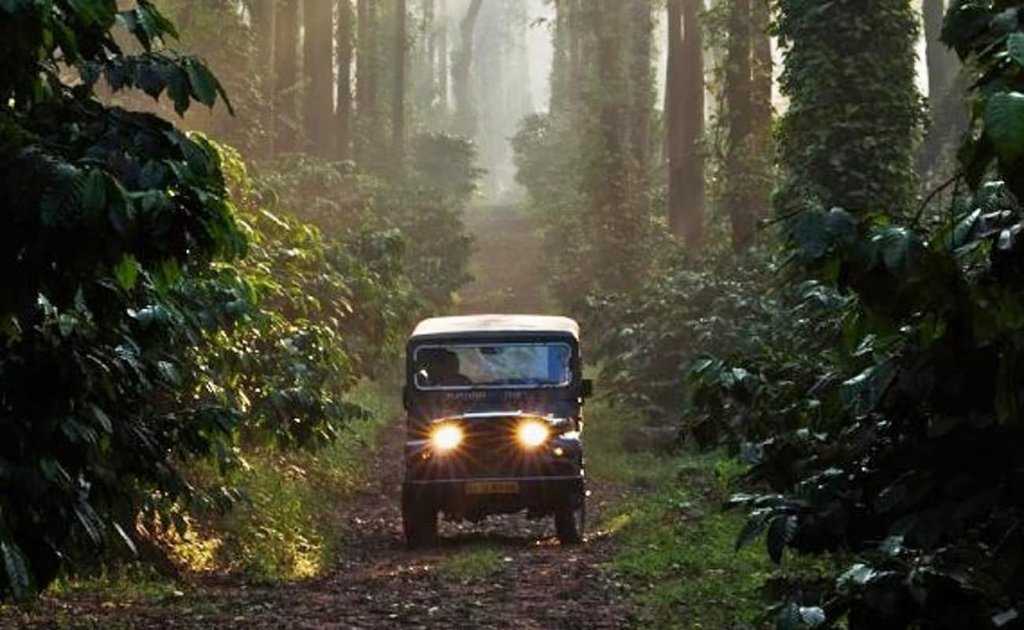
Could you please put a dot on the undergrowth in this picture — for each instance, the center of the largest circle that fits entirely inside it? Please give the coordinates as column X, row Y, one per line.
column 675, row 552
column 288, row 528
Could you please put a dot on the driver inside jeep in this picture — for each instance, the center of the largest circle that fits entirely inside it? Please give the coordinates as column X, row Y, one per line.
column 441, row 369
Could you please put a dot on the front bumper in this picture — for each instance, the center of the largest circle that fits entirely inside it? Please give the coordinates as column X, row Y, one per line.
column 540, row 496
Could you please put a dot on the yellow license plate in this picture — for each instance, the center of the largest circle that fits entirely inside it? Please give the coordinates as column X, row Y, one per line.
column 492, row 487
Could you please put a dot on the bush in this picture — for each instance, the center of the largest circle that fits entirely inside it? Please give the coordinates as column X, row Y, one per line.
column 715, row 346
column 918, row 474
column 113, row 224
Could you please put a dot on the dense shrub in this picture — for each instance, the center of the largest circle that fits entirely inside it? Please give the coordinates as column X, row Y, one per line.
column 884, row 370
column 919, row 473
column 112, row 221
column 163, row 308
column 721, row 349
column 318, row 314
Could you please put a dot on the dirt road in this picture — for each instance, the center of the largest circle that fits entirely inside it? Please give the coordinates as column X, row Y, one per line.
column 526, row 579
column 507, row 266
column 529, row 582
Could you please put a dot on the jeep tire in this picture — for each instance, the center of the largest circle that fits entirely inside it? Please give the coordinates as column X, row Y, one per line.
column 570, row 520
column 419, row 521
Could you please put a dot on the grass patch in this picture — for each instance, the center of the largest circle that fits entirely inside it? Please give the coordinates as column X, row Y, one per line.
column 678, row 556
column 130, row 582
column 474, row 562
column 607, row 459
column 676, row 553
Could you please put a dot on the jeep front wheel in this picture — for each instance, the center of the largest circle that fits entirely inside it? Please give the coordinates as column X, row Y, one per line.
column 419, row 521
column 570, row 520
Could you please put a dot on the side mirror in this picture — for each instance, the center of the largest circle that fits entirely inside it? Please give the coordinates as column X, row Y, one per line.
column 586, row 388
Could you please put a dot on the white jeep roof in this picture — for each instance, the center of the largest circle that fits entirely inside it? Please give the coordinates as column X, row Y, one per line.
column 469, row 324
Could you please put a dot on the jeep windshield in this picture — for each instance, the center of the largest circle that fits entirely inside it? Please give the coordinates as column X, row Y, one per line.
column 493, row 365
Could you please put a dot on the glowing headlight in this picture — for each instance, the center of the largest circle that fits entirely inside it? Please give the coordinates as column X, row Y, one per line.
column 533, row 433
column 446, row 437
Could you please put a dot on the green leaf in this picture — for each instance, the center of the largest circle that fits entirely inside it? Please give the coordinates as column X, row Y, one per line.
column 780, row 533
column 792, row 616
column 1004, row 125
column 94, row 190
column 120, row 212
column 127, row 272
column 178, row 89
column 816, row 233
column 964, row 23
column 90, row 522
column 894, row 247
column 204, row 84
column 753, row 528
column 101, row 418
column 126, row 539
column 16, row 568
column 859, row 574
column 1015, row 47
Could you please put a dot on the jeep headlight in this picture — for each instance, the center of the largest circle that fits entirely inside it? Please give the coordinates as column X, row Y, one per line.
column 446, row 437
column 533, row 433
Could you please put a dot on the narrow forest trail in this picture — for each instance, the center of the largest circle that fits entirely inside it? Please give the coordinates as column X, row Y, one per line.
column 533, row 582
column 515, row 574
column 507, row 264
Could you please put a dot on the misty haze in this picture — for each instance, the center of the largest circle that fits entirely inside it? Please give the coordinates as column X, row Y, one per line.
column 512, row 314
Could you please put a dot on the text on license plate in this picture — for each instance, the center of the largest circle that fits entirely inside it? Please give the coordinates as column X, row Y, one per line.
column 492, row 487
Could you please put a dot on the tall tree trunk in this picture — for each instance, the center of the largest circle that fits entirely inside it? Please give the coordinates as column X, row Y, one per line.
column 560, row 68
column 367, row 63
column 761, row 107
column 609, row 177
column 398, row 85
column 685, row 113
column 465, row 113
column 442, row 58
column 318, row 75
column 577, row 48
column 264, row 17
column 739, row 112
column 429, row 53
column 642, row 91
column 343, row 109
column 286, row 51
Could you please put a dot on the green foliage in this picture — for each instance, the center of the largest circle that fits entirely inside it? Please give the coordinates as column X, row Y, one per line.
column 314, row 315
column 678, row 553
column 111, row 223
column 585, row 163
column 288, row 526
column 917, row 468
column 590, row 248
column 223, row 36
column 424, row 209
column 674, row 553
column 848, row 136
column 882, row 381
column 547, row 167
column 715, row 346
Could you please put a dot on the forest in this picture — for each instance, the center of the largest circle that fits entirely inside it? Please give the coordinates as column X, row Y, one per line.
column 791, row 231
